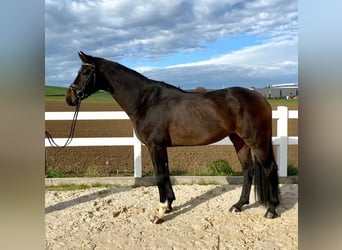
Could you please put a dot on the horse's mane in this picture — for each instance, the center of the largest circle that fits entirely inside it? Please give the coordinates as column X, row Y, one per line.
column 137, row 74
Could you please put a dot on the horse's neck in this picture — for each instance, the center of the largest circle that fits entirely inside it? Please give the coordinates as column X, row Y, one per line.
column 126, row 90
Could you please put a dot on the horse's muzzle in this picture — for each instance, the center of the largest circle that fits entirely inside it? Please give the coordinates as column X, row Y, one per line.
column 71, row 98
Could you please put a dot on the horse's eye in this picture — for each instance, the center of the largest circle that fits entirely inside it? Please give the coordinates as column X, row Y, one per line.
column 86, row 72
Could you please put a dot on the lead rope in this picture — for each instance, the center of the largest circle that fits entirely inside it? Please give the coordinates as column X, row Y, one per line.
column 72, row 131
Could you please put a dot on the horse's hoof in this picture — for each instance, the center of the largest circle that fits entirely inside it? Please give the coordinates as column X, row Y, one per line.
column 167, row 211
column 157, row 220
column 234, row 209
column 270, row 215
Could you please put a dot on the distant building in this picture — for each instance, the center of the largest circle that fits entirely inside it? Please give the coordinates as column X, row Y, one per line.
column 285, row 90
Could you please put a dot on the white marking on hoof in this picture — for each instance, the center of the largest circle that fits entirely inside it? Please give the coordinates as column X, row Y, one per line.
column 159, row 217
column 234, row 210
column 270, row 215
column 162, row 209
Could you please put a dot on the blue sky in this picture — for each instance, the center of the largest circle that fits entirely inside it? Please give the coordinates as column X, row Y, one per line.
column 203, row 43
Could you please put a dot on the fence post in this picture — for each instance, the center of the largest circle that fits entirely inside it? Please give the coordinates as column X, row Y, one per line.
column 282, row 134
column 137, row 156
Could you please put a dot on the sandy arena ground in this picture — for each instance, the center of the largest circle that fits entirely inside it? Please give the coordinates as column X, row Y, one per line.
column 119, row 218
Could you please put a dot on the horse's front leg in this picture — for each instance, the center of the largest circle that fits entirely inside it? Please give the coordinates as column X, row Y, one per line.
column 161, row 169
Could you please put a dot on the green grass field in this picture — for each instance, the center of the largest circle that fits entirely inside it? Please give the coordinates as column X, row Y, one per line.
column 53, row 93
column 283, row 102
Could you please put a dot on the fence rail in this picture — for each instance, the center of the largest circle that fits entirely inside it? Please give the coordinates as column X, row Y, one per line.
column 282, row 140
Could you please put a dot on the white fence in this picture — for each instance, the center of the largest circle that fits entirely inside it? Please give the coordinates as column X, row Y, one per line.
column 282, row 140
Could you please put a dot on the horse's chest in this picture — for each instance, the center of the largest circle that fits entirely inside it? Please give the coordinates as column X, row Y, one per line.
column 149, row 131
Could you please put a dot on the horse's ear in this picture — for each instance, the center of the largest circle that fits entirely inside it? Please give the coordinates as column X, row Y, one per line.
column 85, row 58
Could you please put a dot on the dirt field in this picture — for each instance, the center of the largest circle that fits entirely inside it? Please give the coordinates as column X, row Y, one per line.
column 119, row 218
column 111, row 161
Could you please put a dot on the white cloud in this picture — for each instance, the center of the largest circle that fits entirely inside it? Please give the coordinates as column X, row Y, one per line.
column 266, row 54
column 152, row 29
column 252, row 66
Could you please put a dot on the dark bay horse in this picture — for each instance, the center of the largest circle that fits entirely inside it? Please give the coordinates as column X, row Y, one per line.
column 165, row 116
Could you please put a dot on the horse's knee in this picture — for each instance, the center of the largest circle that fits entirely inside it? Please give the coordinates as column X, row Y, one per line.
column 163, row 180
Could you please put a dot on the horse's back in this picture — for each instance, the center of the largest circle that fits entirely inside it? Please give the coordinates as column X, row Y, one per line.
column 238, row 100
column 244, row 96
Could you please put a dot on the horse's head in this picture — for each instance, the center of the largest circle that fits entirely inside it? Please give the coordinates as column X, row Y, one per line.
column 85, row 82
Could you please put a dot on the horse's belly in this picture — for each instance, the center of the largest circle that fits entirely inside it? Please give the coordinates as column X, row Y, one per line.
column 198, row 124
column 196, row 136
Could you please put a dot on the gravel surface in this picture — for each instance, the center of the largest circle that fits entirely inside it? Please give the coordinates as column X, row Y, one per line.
column 119, row 218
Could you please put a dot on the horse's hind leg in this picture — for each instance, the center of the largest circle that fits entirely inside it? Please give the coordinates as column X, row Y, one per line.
column 245, row 158
column 266, row 179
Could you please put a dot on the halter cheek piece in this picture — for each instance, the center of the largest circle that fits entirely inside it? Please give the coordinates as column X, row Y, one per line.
column 80, row 94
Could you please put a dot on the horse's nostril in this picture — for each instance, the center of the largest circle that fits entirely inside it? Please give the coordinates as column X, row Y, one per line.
column 80, row 94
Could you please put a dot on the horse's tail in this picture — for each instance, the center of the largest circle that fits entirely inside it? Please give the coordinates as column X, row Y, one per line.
column 266, row 180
